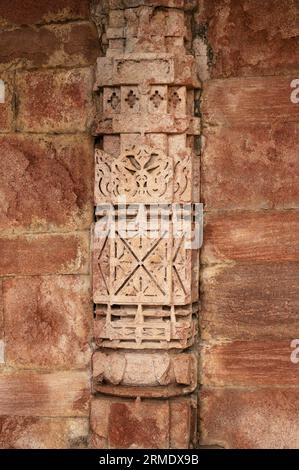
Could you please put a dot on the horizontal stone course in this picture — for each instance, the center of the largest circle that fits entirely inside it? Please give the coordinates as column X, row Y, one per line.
column 250, row 419
column 46, row 182
column 249, row 363
column 252, row 237
column 67, row 45
column 250, row 301
column 250, row 37
column 29, row 12
column 44, row 254
column 251, row 167
column 30, row 393
column 146, row 424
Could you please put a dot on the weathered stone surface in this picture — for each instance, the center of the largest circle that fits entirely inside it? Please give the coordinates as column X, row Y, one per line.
column 248, row 363
column 142, row 424
column 185, row 4
column 54, row 101
column 43, row 11
column 44, row 254
column 19, row 432
column 249, row 37
column 45, row 182
column 146, row 327
column 144, row 374
column 250, row 301
column 236, row 418
column 47, row 322
column 152, row 68
column 250, row 101
column 28, row 393
column 7, row 108
column 73, row 45
column 251, row 237
column 251, row 167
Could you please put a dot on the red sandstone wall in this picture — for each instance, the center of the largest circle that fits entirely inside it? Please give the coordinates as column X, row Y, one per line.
column 250, row 294
column 248, row 52
column 47, row 49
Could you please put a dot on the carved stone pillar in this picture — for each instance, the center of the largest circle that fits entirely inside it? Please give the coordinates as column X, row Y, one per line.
column 145, row 282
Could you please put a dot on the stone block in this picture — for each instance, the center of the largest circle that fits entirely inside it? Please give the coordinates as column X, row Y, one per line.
column 254, row 100
column 252, row 237
column 44, row 254
column 152, row 68
column 46, row 182
column 31, row 432
column 7, row 106
column 47, row 322
column 157, row 268
column 145, row 424
column 32, row 12
column 251, row 167
column 250, row 301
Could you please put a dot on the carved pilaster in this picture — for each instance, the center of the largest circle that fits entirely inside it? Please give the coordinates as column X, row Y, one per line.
column 145, row 273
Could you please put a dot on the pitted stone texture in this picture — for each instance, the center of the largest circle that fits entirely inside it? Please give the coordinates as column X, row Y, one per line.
column 45, row 182
column 250, row 37
column 142, row 424
column 32, row 12
column 249, row 363
column 55, row 101
column 237, row 314
column 140, row 374
column 47, row 322
column 249, row 102
column 31, row 432
column 44, row 254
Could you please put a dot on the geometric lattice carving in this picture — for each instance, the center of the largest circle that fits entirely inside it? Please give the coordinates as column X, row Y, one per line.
column 132, row 268
column 145, row 275
column 140, row 174
column 144, row 174
column 146, row 327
